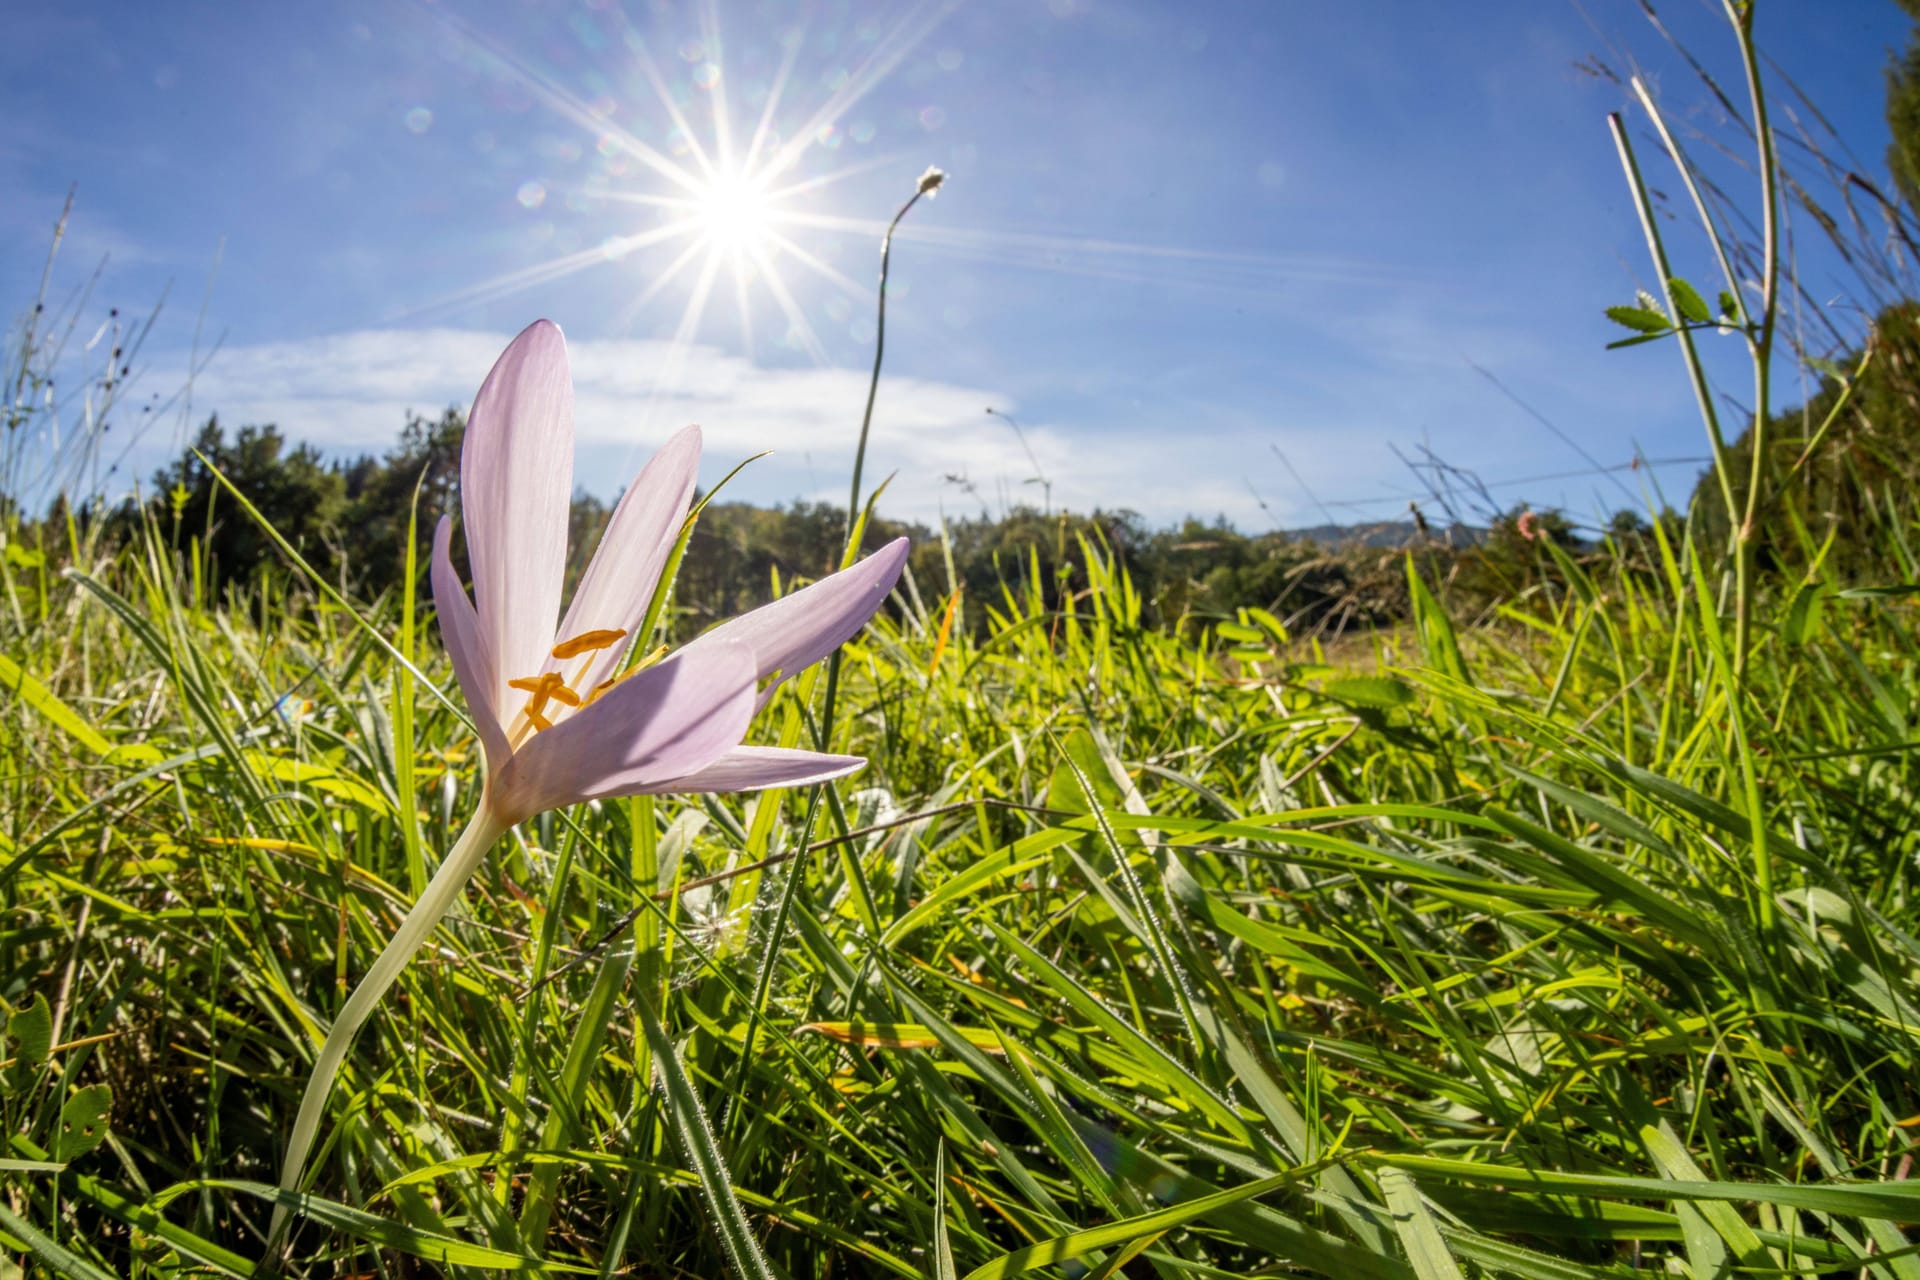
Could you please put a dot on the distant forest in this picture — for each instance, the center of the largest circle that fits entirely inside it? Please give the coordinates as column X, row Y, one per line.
column 1842, row 465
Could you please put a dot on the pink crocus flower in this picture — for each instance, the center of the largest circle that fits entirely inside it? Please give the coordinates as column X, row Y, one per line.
column 558, row 719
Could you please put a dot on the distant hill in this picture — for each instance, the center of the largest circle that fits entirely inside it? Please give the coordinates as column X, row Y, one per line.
column 1386, row 535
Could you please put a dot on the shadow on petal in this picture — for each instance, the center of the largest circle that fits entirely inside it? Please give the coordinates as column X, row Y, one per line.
column 664, row 723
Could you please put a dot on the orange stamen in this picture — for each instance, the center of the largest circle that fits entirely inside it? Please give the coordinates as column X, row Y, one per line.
column 587, row 642
column 548, row 686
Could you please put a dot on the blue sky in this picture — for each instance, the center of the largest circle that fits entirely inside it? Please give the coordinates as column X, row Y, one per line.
column 1177, row 240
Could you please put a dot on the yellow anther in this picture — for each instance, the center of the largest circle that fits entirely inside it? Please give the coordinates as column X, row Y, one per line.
column 548, row 686
column 587, row 642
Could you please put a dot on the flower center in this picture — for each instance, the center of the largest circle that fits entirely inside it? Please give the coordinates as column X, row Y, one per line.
column 551, row 686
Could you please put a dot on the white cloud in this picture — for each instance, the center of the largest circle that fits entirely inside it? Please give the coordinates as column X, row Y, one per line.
column 350, row 392
column 1184, row 451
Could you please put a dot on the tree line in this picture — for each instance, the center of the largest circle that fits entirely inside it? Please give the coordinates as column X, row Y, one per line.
column 349, row 519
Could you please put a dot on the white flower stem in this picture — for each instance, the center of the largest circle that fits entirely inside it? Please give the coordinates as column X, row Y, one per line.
column 440, row 895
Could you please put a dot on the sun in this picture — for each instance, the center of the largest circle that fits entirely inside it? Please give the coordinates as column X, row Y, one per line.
column 735, row 215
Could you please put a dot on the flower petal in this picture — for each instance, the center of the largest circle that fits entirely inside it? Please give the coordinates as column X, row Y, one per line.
column 460, row 630
column 668, row 721
column 796, row 631
column 614, row 592
column 752, row 768
column 516, row 476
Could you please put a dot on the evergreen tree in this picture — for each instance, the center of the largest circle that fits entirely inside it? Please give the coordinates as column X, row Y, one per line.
column 296, row 490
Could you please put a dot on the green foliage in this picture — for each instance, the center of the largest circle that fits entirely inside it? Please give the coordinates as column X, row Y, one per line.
column 1903, row 118
column 1193, row 948
column 305, row 497
column 83, row 1122
column 1843, row 475
column 380, row 497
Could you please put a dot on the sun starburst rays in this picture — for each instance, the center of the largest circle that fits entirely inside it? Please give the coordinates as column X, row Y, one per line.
column 742, row 207
column 725, row 208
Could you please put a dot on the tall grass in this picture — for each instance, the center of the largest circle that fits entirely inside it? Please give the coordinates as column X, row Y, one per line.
column 1572, row 945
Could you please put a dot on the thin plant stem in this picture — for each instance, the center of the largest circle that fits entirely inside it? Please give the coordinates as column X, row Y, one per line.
column 1696, row 373
column 830, row 702
column 1730, row 280
column 929, row 182
column 879, row 354
column 1740, row 13
column 441, row 893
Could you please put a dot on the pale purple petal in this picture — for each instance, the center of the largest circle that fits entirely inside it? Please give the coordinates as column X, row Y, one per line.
column 614, row 592
column 516, row 476
column 664, row 723
column 796, row 631
column 460, row 630
column 752, row 768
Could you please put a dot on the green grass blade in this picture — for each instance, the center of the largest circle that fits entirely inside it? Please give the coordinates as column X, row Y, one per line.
column 1079, row 1243
column 1419, row 1233
column 696, row 1139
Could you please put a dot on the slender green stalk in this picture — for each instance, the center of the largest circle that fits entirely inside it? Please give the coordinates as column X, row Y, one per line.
column 442, row 892
column 1696, row 373
column 1730, row 281
column 928, row 184
column 1741, row 13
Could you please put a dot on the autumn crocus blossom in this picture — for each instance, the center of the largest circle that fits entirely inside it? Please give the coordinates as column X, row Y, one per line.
column 560, row 715
column 558, row 720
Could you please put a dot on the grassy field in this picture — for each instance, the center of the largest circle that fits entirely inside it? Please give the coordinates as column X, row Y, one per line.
column 1549, row 950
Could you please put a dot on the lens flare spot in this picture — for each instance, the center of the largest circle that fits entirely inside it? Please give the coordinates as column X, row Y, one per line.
column 419, row 120
column 932, row 118
column 531, row 195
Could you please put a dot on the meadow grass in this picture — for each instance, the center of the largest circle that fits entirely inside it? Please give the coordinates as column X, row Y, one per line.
column 1576, row 943
column 1137, row 951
